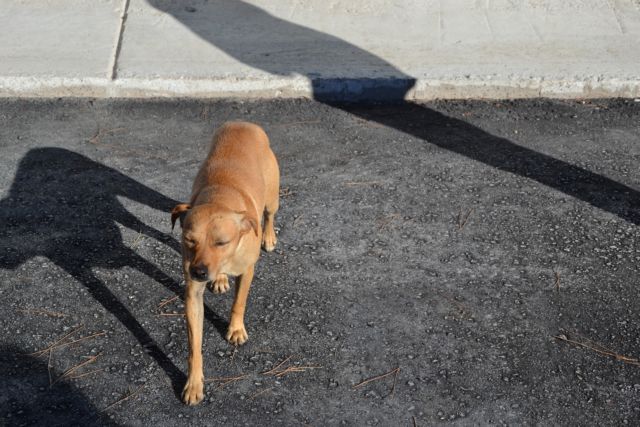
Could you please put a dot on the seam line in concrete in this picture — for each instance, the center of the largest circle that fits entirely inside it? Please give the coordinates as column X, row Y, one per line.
column 118, row 45
column 614, row 11
column 440, row 24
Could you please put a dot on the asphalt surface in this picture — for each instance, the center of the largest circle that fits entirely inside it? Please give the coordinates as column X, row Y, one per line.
column 446, row 244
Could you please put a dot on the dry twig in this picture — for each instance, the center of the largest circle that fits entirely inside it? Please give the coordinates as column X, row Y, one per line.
column 55, row 344
column 260, row 393
column 384, row 222
column 362, row 183
column 235, row 351
column 85, row 374
column 49, row 367
column 462, row 222
column 379, row 377
column 171, row 314
column 99, row 334
column 395, row 379
column 126, row 397
column 279, row 373
column 272, row 371
column 231, row 381
column 600, row 349
column 138, row 239
column 225, row 380
column 290, row 369
column 167, row 301
column 43, row 312
column 69, row 371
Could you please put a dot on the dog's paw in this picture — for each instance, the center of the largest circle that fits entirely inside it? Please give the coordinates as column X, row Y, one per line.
column 193, row 392
column 269, row 241
column 237, row 335
column 221, row 284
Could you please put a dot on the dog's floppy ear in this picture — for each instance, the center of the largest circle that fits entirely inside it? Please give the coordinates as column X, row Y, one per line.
column 247, row 223
column 179, row 211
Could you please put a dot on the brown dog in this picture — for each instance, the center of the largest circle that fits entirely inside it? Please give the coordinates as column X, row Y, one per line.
column 237, row 184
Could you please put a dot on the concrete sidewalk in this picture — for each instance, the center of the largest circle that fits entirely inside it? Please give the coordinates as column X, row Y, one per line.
column 414, row 49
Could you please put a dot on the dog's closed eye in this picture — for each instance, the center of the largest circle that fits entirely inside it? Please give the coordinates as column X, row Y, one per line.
column 221, row 243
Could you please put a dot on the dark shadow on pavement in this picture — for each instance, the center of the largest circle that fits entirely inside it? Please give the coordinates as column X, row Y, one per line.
column 27, row 399
column 472, row 142
column 64, row 206
column 263, row 41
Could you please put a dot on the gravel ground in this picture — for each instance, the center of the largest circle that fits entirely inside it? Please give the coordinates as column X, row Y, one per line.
column 485, row 255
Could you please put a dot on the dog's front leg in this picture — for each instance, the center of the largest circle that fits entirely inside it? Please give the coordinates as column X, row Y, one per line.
column 237, row 334
column 193, row 391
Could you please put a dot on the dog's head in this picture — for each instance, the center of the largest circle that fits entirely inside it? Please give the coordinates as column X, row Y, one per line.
column 211, row 236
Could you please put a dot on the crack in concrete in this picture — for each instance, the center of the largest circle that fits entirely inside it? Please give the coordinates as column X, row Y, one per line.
column 113, row 66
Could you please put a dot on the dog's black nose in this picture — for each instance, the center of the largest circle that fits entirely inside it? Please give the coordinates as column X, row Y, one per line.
column 199, row 272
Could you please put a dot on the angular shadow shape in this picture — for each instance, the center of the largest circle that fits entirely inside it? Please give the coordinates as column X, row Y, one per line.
column 64, row 206
column 472, row 142
column 261, row 40
column 266, row 42
column 25, row 394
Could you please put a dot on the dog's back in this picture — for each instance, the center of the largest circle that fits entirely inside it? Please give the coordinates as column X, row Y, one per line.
column 239, row 158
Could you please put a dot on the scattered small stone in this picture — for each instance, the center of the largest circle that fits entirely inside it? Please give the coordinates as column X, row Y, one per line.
column 373, row 394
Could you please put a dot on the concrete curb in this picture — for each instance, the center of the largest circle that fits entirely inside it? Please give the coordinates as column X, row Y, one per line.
column 336, row 89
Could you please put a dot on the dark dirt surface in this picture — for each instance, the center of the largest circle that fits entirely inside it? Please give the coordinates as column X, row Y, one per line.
column 452, row 241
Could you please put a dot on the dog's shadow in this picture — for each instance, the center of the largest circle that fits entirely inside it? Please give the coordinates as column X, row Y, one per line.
column 64, row 206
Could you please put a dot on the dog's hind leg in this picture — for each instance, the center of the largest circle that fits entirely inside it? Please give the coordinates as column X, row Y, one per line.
column 269, row 238
column 272, row 201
